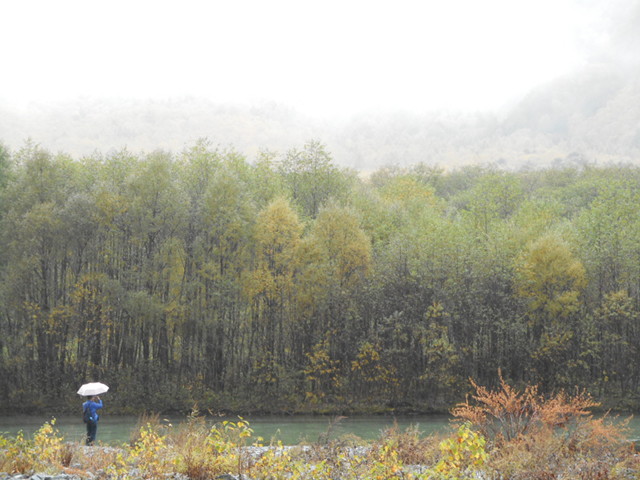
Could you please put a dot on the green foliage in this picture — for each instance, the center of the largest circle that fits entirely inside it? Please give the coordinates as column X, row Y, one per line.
column 344, row 248
column 495, row 197
column 206, row 277
column 440, row 355
column 312, row 178
column 321, row 373
column 149, row 455
column 371, row 373
column 201, row 453
column 46, row 452
column 5, row 169
column 462, row 455
column 385, row 462
column 551, row 278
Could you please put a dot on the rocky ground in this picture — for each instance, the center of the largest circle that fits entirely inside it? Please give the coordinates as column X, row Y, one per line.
column 42, row 476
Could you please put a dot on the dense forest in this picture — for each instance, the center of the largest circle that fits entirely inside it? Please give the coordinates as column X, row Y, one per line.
column 289, row 284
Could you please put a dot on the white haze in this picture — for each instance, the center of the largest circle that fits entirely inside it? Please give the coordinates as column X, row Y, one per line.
column 379, row 82
column 328, row 58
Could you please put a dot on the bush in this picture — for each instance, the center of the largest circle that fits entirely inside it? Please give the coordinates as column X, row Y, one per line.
column 46, row 452
column 507, row 414
column 533, row 436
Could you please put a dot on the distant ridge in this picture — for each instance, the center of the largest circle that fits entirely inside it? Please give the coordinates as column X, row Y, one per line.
column 593, row 115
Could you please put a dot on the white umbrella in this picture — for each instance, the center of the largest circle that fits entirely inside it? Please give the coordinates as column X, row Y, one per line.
column 91, row 389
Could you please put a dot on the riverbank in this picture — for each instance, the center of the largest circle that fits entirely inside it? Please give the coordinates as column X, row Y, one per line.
column 505, row 434
column 80, row 457
column 585, row 450
column 463, row 455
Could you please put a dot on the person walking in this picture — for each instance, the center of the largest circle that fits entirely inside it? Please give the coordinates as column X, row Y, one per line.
column 90, row 415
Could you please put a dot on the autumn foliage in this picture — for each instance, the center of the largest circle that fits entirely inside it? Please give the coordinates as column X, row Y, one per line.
column 285, row 283
column 507, row 414
column 550, row 438
column 536, row 436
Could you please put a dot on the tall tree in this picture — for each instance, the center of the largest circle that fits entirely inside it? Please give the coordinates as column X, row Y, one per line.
column 271, row 289
column 334, row 264
column 313, row 178
column 551, row 279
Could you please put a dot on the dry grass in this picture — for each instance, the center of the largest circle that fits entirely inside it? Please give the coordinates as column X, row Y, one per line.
column 146, row 419
column 412, row 447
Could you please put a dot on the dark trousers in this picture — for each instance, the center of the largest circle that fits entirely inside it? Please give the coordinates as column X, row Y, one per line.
column 92, row 429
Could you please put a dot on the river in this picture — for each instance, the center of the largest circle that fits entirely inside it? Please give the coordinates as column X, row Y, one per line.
column 291, row 430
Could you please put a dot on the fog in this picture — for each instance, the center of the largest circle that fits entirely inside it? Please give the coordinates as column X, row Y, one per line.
column 379, row 83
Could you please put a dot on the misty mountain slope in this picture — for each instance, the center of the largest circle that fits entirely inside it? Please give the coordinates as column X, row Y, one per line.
column 403, row 139
column 615, row 128
column 82, row 126
column 594, row 115
column 594, row 112
column 553, row 108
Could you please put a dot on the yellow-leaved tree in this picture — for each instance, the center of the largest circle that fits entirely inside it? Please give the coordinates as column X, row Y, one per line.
column 551, row 280
column 270, row 285
column 333, row 262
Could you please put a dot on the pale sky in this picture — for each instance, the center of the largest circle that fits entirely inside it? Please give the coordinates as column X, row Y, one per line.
column 324, row 57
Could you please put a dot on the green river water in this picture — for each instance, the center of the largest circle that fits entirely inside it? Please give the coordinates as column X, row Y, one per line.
column 291, row 430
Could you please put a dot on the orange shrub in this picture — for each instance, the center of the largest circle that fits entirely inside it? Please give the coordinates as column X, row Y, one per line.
column 537, row 437
column 506, row 414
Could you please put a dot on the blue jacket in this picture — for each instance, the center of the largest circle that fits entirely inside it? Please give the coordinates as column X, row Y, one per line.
column 93, row 407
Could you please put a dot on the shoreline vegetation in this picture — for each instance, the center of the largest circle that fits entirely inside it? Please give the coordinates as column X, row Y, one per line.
column 501, row 433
